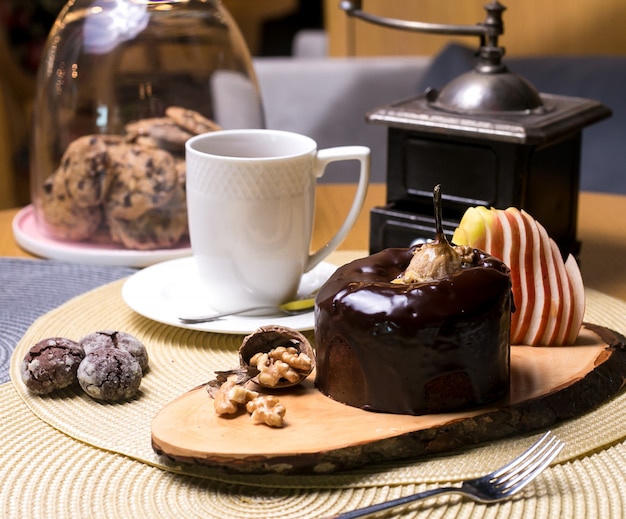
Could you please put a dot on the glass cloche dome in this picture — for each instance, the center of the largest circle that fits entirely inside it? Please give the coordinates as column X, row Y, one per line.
column 121, row 87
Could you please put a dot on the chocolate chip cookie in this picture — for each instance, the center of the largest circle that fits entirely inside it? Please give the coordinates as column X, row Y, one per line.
column 84, row 170
column 62, row 217
column 191, row 120
column 158, row 132
column 143, row 179
column 159, row 228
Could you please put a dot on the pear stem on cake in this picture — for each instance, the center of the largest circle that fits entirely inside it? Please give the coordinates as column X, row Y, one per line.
column 436, row 259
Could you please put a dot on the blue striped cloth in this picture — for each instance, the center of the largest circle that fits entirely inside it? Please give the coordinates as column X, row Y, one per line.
column 30, row 288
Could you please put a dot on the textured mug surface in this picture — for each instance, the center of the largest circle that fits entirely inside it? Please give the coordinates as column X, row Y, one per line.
column 251, row 198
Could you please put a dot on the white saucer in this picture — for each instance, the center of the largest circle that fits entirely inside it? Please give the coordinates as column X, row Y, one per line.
column 30, row 238
column 165, row 291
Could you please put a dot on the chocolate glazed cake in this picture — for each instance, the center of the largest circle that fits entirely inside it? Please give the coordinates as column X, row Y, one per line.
column 418, row 347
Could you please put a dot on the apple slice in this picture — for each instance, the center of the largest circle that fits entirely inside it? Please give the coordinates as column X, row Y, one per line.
column 472, row 228
column 554, row 289
column 510, row 247
column 496, row 240
column 548, row 293
column 521, row 265
column 578, row 298
column 540, row 307
column 565, row 318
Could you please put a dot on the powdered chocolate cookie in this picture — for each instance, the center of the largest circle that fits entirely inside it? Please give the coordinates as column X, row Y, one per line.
column 116, row 339
column 143, row 179
column 110, row 374
column 159, row 228
column 191, row 120
column 84, row 170
column 51, row 364
column 62, row 217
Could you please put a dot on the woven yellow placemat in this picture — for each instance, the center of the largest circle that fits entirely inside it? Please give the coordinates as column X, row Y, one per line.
column 44, row 473
column 47, row 473
column 182, row 359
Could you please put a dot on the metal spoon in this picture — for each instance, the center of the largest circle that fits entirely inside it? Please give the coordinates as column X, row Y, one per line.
column 296, row 307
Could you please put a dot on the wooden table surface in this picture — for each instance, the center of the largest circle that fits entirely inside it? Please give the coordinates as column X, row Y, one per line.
column 601, row 229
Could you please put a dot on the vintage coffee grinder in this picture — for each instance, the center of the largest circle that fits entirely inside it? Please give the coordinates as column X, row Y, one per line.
column 488, row 137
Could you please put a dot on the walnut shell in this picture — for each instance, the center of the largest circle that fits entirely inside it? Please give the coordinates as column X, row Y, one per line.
column 268, row 338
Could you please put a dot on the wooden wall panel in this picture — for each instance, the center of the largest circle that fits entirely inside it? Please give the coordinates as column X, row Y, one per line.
column 532, row 27
column 250, row 15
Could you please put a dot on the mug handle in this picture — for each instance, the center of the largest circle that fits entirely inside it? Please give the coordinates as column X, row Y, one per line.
column 325, row 157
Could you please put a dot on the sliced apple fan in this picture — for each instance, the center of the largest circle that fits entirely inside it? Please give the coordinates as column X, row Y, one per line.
column 548, row 292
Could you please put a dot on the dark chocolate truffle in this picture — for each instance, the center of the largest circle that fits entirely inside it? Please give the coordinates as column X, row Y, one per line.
column 110, row 374
column 51, row 364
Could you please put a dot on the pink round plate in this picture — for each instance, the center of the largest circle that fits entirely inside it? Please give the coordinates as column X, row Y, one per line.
column 30, row 238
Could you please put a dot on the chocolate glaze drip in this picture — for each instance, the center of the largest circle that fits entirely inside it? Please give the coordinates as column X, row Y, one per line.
column 414, row 348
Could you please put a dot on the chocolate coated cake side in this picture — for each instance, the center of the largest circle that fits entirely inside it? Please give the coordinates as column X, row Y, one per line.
column 414, row 348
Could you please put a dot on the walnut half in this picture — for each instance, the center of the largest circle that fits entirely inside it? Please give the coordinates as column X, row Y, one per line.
column 230, row 395
column 267, row 409
column 282, row 363
column 283, row 356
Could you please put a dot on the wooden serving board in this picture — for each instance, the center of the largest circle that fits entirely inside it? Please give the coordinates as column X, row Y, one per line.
column 548, row 385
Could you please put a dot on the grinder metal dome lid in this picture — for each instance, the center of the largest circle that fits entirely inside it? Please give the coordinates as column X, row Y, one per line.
column 488, row 89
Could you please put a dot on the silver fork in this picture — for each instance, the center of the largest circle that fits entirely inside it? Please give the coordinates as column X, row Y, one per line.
column 495, row 486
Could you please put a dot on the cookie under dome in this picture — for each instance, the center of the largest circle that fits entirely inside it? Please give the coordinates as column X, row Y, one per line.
column 414, row 348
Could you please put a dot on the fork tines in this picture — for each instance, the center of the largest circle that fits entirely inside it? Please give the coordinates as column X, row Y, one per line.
column 523, row 469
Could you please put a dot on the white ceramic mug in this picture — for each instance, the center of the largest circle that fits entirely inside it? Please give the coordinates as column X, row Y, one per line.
column 251, row 199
